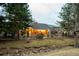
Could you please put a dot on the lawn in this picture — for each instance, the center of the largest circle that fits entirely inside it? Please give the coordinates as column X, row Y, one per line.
column 33, row 47
column 37, row 43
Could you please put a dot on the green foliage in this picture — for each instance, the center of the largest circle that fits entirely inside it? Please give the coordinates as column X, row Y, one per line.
column 70, row 19
column 67, row 22
column 18, row 16
column 40, row 36
column 70, row 16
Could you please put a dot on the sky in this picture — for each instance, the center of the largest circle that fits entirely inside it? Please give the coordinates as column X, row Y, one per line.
column 46, row 12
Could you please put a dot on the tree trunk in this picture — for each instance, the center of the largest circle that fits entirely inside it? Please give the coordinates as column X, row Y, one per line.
column 76, row 40
column 76, row 43
column 17, row 35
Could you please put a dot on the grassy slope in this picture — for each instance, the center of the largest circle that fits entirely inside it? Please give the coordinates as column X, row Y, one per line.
column 68, row 51
column 37, row 43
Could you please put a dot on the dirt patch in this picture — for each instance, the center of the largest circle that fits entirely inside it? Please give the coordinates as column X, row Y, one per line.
column 12, row 51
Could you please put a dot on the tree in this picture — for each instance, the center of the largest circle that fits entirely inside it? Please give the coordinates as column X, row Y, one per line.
column 1, row 23
column 66, row 17
column 18, row 16
column 70, row 18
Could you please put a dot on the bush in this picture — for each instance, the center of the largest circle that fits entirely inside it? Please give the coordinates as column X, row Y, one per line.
column 39, row 36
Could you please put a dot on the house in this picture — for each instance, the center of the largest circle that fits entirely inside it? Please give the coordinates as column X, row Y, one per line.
column 37, row 28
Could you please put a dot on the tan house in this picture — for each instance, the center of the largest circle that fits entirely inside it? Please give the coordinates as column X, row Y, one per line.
column 37, row 28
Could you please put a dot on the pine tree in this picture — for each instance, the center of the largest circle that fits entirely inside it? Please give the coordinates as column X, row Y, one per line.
column 70, row 18
column 18, row 16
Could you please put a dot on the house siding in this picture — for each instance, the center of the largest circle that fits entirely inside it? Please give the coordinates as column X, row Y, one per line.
column 32, row 32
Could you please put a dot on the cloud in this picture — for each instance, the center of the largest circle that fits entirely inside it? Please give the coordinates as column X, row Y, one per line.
column 43, row 8
column 45, row 12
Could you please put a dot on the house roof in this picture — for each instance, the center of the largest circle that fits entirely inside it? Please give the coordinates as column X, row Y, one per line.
column 36, row 25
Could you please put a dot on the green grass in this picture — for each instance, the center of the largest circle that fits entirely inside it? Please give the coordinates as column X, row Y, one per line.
column 37, row 43
column 50, row 42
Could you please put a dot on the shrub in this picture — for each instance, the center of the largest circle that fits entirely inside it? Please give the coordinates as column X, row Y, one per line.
column 39, row 36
